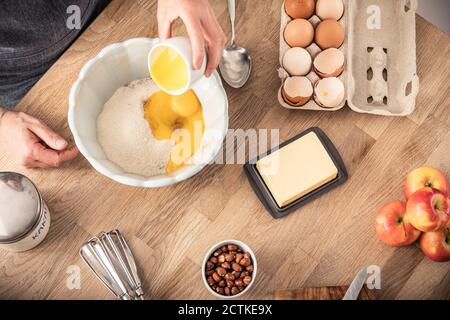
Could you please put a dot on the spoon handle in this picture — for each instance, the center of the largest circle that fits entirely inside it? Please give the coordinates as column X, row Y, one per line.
column 232, row 12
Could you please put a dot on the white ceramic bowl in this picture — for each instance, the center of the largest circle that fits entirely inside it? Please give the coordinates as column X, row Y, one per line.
column 115, row 66
column 210, row 252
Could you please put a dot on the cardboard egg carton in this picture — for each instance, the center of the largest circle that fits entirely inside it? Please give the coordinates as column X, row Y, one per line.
column 380, row 50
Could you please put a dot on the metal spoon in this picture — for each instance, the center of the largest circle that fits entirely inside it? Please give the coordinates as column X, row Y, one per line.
column 235, row 65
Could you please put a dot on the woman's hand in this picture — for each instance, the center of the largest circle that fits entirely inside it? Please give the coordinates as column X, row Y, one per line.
column 202, row 27
column 31, row 142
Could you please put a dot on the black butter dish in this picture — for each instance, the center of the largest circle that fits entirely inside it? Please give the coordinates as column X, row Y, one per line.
column 298, row 171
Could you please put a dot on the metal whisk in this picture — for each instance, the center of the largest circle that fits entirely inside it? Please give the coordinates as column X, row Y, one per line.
column 111, row 260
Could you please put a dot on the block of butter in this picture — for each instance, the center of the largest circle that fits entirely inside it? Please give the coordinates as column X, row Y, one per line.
column 297, row 169
column 301, row 169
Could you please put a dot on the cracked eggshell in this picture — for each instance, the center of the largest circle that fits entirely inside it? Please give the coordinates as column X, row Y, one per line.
column 297, row 91
column 329, row 63
column 329, row 92
column 297, row 62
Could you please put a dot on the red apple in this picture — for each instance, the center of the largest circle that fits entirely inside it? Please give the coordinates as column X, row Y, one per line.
column 425, row 177
column 393, row 227
column 428, row 209
column 436, row 245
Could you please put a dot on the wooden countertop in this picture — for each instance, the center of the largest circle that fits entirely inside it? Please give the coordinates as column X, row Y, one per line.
column 322, row 244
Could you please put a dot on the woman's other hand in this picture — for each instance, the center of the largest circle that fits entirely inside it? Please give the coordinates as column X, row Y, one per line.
column 31, row 142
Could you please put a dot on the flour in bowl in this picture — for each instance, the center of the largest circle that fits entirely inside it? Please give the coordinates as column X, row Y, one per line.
column 125, row 136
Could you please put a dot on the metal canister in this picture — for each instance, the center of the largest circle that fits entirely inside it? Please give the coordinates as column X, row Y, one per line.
column 24, row 216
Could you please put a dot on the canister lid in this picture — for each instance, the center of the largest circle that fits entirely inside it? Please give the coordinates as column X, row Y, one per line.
column 19, row 206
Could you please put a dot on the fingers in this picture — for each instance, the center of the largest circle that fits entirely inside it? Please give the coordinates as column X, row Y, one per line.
column 216, row 40
column 39, row 165
column 214, row 57
column 164, row 27
column 195, row 32
column 47, row 156
column 41, row 156
column 164, row 17
column 202, row 27
column 69, row 154
column 33, row 143
column 51, row 138
column 52, row 158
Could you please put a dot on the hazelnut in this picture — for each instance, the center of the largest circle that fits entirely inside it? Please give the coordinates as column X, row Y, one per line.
column 236, row 274
column 236, row 267
column 210, row 281
column 229, row 276
column 239, row 283
column 230, row 283
column 229, row 257
column 239, row 256
column 216, row 277
column 245, row 262
column 227, row 291
column 210, row 272
column 220, row 290
column 224, row 249
column 232, row 247
column 244, row 274
column 222, row 284
column 249, row 268
column 209, row 265
column 234, row 291
column 226, row 265
column 221, row 271
column 247, row 255
column 247, row 280
column 214, row 260
column 221, row 258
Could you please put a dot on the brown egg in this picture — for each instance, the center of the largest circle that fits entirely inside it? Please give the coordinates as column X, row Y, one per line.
column 329, row 34
column 299, row 33
column 300, row 8
column 297, row 91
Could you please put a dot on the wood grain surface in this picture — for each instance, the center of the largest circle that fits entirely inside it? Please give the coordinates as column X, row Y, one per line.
column 323, row 293
column 170, row 229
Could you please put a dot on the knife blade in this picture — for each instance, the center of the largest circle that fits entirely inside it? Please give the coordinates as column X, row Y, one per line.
column 356, row 285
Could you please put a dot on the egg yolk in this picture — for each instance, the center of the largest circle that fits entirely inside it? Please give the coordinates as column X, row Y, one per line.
column 168, row 69
column 179, row 119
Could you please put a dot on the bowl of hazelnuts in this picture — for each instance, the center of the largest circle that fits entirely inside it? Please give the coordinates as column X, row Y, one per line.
column 229, row 269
